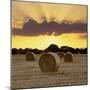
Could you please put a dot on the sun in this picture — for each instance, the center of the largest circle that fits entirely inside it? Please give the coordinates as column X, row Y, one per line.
column 52, row 39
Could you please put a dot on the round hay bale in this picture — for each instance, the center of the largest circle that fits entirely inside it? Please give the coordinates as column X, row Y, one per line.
column 68, row 57
column 61, row 54
column 30, row 56
column 49, row 62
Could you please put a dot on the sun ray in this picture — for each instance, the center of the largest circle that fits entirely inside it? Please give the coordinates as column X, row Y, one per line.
column 59, row 12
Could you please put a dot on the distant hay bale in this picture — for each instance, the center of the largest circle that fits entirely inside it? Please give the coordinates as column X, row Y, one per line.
column 30, row 56
column 49, row 62
column 68, row 57
column 61, row 54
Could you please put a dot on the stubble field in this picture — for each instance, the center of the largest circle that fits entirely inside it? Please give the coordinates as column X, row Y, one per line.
column 27, row 74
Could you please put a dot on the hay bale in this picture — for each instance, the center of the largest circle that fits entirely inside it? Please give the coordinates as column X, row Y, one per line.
column 68, row 57
column 49, row 62
column 30, row 56
column 61, row 54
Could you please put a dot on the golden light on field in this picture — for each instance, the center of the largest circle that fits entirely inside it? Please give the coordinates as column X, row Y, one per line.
column 43, row 41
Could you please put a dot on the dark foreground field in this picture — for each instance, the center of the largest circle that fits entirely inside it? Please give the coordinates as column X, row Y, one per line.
column 28, row 75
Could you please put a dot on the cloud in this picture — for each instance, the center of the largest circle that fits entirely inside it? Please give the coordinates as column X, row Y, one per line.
column 32, row 28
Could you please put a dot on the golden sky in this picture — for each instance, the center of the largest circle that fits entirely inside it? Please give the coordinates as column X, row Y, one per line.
column 24, row 11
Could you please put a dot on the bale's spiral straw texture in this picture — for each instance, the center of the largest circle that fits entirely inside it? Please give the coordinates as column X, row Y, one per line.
column 61, row 54
column 30, row 56
column 49, row 62
column 68, row 57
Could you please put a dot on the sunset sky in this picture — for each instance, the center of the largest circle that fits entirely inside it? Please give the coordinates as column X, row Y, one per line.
column 37, row 25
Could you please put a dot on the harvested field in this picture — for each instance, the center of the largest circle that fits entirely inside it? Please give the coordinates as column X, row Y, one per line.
column 28, row 75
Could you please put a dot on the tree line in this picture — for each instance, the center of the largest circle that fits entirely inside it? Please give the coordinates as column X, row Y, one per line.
column 51, row 48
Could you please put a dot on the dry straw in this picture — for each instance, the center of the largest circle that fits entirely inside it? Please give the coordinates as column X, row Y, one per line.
column 68, row 57
column 30, row 56
column 61, row 54
column 49, row 62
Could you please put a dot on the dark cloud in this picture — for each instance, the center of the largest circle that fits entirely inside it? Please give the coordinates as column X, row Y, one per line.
column 32, row 28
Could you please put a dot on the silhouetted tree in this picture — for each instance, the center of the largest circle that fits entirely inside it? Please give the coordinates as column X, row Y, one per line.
column 85, row 51
column 36, row 51
column 67, row 49
column 52, row 48
column 27, row 50
column 14, row 51
column 21, row 51
column 77, row 51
